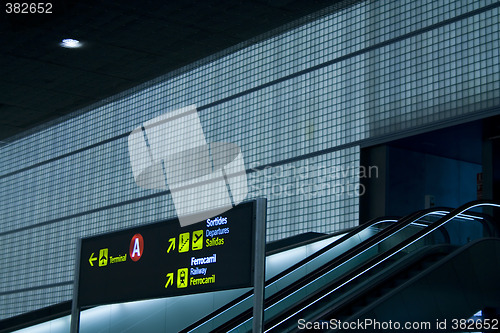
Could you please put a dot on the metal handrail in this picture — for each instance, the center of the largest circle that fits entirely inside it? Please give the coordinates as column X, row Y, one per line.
column 384, row 256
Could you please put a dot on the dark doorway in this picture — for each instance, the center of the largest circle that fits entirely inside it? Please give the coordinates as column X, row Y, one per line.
column 438, row 168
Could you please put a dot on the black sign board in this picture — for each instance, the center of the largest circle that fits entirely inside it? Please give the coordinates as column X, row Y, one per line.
column 164, row 259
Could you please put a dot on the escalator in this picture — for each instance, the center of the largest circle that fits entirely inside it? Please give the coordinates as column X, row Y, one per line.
column 364, row 267
column 445, row 283
column 411, row 279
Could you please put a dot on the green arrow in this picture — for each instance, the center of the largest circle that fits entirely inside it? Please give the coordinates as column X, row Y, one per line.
column 170, row 280
column 172, row 245
column 92, row 259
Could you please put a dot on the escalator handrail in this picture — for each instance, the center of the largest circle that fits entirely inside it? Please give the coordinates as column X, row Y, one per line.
column 455, row 254
column 338, row 283
column 309, row 258
column 269, row 301
column 290, row 269
column 385, row 277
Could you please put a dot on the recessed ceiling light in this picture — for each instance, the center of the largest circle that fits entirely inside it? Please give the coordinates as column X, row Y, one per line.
column 70, row 43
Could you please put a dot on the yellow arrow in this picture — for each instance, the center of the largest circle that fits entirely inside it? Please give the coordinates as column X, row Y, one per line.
column 92, row 259
column 172, row 245
column 170, row 280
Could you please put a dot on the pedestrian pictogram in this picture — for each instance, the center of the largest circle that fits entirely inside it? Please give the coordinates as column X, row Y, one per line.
column 170, row 280
column 197, row 240
column 182, row 278
column 184, row 242
column 103, row 257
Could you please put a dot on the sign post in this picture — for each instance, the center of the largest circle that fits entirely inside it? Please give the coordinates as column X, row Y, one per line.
column 75, row 309
column 163, row 259
column 259, row 267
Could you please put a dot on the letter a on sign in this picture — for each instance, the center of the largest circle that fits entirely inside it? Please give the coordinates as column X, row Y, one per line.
column 136, row 247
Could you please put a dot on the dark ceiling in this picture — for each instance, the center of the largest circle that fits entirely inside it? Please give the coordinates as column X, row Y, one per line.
column 126, row 42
